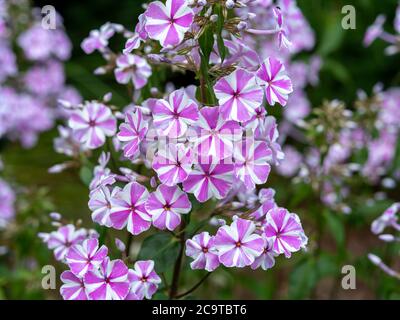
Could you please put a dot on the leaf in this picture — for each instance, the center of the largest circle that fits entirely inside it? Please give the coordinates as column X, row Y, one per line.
column 162, row 248
column 302, row 279
column 206, row 42
column 220, row 27
column 332, row 37
column 86, row 175
column 336, row 227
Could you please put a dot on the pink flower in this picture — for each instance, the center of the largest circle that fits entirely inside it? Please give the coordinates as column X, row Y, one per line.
column 98, row 39
column 64, row 238
column 85, row 257
column 269, row 133
column 285, row 231
column 202, row 250
column 132, row 132
column 128, row 209
column 173, row 163
column 92, row 124
column 237, row 244
column 375, row 30
column 209, row 180
column 109, row 282
column 143, row 280
column 73, row 287
column 238, row 95
column 139, row 35
column 277, row 84
column 166, row 205
column 100, row 205
column 247, row 57
column 388, row 218
column 251, row 162
column 267, row 259
column 172, row 117
column 213, row 135
column 168, row 23
column 132, row 67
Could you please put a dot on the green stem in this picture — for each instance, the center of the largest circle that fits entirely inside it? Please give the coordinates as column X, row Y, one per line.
column 194, row 287
column 178, row 263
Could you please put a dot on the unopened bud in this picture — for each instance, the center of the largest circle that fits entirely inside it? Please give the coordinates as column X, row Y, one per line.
column 229, row 4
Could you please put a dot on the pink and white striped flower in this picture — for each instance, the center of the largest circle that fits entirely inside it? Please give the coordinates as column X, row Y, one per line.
column 85, row 257
column 166, row 205
column 92, row 124
column 73, row 287
column 173, row 163
column 171, row 118
column 134, row 68
column 202, row 250
column 285, row 231
column 100, row 205
column 168, row 23
column 209, row 180
column 238, row 95
column 143, row 280
column 213, row 136
column 139, row 35
column 277, row 84
column 267, row 259
column 237, row 244
column 64, row 238
column 109, row 282
column 251, row 162
column 128, row 209
column 132, row 132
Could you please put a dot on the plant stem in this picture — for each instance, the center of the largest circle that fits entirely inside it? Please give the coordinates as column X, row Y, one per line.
column 178, row 263
column 128, row 244
column 194, row 287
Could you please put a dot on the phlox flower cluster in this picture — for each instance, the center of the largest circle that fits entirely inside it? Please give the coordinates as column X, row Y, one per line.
column 173, row 148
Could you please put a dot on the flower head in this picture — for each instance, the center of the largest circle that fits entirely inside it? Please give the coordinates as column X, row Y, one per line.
column 143, row 280
column 73, row 287
column 108, row 282
column 166, row 205
column 237, row 244
column 203, row 252
column 209, row 180
column 92, row 124
column 168, row 23
column 132, row 132
column 85, row 257
column 277, row 84
column 172, row 117
column 285, row 231
column 128, row 209
column 173, row 163
column 132, row 67
column 238, row 95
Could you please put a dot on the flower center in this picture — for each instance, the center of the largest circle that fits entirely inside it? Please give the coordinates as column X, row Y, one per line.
column 205, row 250
column 238, row 244
column 92, row 123
column 167, row 207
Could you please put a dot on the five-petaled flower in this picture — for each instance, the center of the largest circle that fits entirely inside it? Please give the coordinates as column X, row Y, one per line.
column 277, row 84
column 168, row 23
column 166, row 205
column 171, row 118
column 285, row 231
column 237, row 244
column 143, row 280
column 92, row 124
column 128, row 209
column 132, row 67
column 109, row 282
column 238, row 95
column 201, row 249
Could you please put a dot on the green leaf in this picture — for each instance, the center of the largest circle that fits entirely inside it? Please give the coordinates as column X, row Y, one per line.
column 162, row 248
column 336, row 227
column 206, row 42
column 303, row 279
column 220, row 27
column 86, row 175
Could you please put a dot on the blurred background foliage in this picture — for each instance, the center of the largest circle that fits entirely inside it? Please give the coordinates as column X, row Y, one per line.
column 348, row 66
